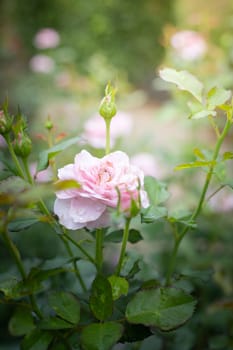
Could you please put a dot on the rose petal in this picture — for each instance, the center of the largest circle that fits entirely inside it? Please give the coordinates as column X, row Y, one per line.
column 62, row 210
column 144, row 199
column 67, row 173
column 85, row 160
column 103, row 221
column 83, row 210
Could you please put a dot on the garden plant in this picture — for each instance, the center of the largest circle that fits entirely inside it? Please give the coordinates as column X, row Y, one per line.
column 94, row 297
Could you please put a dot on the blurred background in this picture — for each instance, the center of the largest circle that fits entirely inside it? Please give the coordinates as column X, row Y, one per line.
column 56, row 58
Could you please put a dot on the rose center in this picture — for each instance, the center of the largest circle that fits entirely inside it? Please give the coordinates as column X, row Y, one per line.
column 105, row 174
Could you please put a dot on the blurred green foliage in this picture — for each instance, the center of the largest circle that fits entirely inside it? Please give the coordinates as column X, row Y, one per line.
column 123, row 34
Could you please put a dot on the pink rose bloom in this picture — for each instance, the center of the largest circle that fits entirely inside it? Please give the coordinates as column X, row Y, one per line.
column 95, row 130
column 42, row 64
column 189, row 45
column 46, row 38
column 99, row 178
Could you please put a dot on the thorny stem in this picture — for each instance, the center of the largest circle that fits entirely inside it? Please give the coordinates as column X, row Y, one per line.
column 196, row 212
column 123, row 246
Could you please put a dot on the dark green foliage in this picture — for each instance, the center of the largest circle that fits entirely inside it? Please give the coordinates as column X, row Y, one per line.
column 90, row 30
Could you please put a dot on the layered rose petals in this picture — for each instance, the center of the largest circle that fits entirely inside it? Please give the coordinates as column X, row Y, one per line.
column 104, row 182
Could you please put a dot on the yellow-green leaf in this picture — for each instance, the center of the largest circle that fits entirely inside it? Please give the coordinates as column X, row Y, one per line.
column 184, row 80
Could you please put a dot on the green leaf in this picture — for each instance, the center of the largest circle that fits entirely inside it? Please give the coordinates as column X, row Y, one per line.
column 21, row 322
column 152, row 213
column 46, row 155
column 196, row 164
column 156, row 190
column 202, row 114
column 62, row 185
column 13, row 288
column 54, row 323
column 20, row 224
column 184, row 80
column 131, row 271
column 199, row 154
column 101, row 302
column 184, row 220
column 10, row 288
column 59, row 346
column 22, row 192
column 203, row 275
column 116, row 236
column 217, row 97
column 41, row 275
column 164, row 308
column 66, row 306
column 227, row 155
column 37, row 340
column 101, row 336
column 134, row 236
column 13, row 184
column 120, row 286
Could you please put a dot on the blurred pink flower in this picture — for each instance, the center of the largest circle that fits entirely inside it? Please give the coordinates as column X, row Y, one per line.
column 222, row 201
column 147, row 163
column 42, row 64
column 189, row 45
column 63, row 80
column 99, row 178
column 42, row 176
column 2, row 142
column 95, row 133
column 46, row 38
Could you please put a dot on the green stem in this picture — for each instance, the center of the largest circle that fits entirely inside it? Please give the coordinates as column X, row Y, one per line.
column 195, row 214
column 89, row 257
column 99, row 250
column 77, row 272
column 14, row 157
column 107, row 123
column 123, row 246
column 27, row 171
column 16, row 256
column 52, row 161
column 42, row 206
column 64, row 237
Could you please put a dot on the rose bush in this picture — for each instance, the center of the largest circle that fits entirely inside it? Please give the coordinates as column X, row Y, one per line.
column 104, row 182
column 144, row 293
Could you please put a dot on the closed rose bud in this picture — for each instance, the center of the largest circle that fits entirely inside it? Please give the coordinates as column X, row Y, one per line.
column 22, row 145
column 5, row 123
column 107, row 107
column 48, row 124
